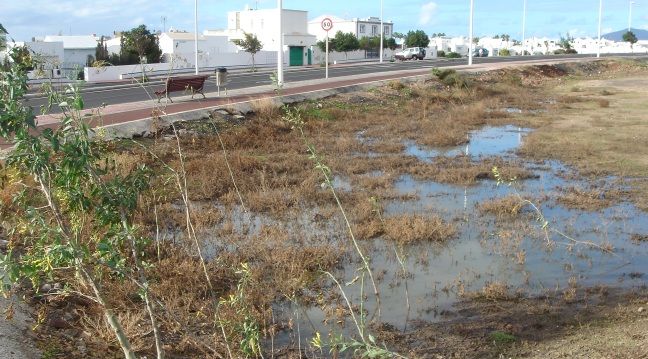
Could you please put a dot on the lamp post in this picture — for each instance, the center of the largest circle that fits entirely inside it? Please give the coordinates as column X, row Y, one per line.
column 598, row 47
column 470, row 30
column 280, row 74
column 382, row 31
column 196, row 34
column 524, row 10
column 630, row 16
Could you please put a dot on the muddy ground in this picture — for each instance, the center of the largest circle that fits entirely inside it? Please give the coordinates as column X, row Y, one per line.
column 470, row 261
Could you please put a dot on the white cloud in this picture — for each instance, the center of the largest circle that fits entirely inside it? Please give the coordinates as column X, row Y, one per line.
column 427, row 13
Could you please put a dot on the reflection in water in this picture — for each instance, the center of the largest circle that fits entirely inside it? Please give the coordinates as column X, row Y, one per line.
column 510, row 251
column 422, row 281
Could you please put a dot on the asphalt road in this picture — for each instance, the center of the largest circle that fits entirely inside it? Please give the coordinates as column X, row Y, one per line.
column 97, row 95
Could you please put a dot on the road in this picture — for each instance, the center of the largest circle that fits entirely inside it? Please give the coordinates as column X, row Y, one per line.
column 96, row 95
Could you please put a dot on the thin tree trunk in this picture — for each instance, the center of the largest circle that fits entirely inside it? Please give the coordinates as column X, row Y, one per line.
column 111, row 318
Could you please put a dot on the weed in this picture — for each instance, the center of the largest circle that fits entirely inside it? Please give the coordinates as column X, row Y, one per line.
column 502, row 338
column 410, row 229
column 603, row 103
column 508, row 206
column 494, row 291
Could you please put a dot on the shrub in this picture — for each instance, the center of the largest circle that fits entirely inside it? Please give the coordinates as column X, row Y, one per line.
column 504, row 52
column 452, row 55
column 441, row 53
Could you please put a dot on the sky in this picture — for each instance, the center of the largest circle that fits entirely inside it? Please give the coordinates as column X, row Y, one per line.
column 552, row 18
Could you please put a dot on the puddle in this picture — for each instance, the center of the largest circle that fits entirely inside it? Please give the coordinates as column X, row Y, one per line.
column 489, row 141
column 513, row 110
column 488, row 249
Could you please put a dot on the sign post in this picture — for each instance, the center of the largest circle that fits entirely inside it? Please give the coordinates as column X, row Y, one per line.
column 327, row 25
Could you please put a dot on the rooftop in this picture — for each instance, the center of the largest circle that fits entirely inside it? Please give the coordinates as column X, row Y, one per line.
column 74, row 42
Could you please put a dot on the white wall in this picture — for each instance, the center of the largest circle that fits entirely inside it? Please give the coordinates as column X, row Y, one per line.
column 265, row 24
column 180, row 62
column 51, row 53
column 77, row 57
column 315, row 27
column 115, row 73
column 346, row 26
column 319, row 56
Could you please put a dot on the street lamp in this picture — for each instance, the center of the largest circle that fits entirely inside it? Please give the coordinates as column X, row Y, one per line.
column 524, row 11
column 382, row 31
column 470, row 39
column 196, row 33
column 630, row 16
column 598, row 47
column 280, row 74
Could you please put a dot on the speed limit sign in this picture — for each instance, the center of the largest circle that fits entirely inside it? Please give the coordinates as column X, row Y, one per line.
column 327, row 24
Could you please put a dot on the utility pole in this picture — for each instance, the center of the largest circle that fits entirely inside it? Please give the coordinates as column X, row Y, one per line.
column 598, row 47
column 630, row 16
column 280, row 74
column 470, row 30
column 196, row 34
column 524, row 10
column 382, row 31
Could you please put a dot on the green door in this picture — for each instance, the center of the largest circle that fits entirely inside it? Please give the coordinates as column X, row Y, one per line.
column 296, row 56
column 310, row 56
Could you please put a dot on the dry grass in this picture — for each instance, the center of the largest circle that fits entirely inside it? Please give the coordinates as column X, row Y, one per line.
column 509, row 206
column 411, row 229
column 493, row 291
column 278, row 183
column 589, row 200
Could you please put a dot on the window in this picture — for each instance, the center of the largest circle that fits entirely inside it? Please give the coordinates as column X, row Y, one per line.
column 386, row 31
column 374, row 29
column 362, row 28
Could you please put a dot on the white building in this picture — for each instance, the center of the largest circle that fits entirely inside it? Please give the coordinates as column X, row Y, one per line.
column 369, row 27
column 264, row 24
column 179, row 47
column 448, row 44
column 48, row 55
column 76, row 49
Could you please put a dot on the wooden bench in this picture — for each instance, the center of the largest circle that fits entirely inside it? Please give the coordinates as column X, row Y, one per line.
column 194, row 84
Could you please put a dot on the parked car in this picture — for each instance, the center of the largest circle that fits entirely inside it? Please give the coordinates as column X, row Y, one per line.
column 411, row 53
column 481, row 52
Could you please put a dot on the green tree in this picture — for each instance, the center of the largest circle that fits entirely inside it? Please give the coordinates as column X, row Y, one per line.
column 630, row 37
column 251, row 44
column 565, row 44
column 139, row 41
column 322, row 45
column 390, row 44
column 73, row 215
column 417, row 38
column 101, row 52
column 345, row 42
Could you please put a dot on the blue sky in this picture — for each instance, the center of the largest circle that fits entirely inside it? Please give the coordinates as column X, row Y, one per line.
column 24, row 19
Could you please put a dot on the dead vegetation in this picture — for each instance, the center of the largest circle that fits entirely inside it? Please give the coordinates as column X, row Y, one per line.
column 509, row 206
column 285, row 224
column 588, row 199
column 411, row 229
